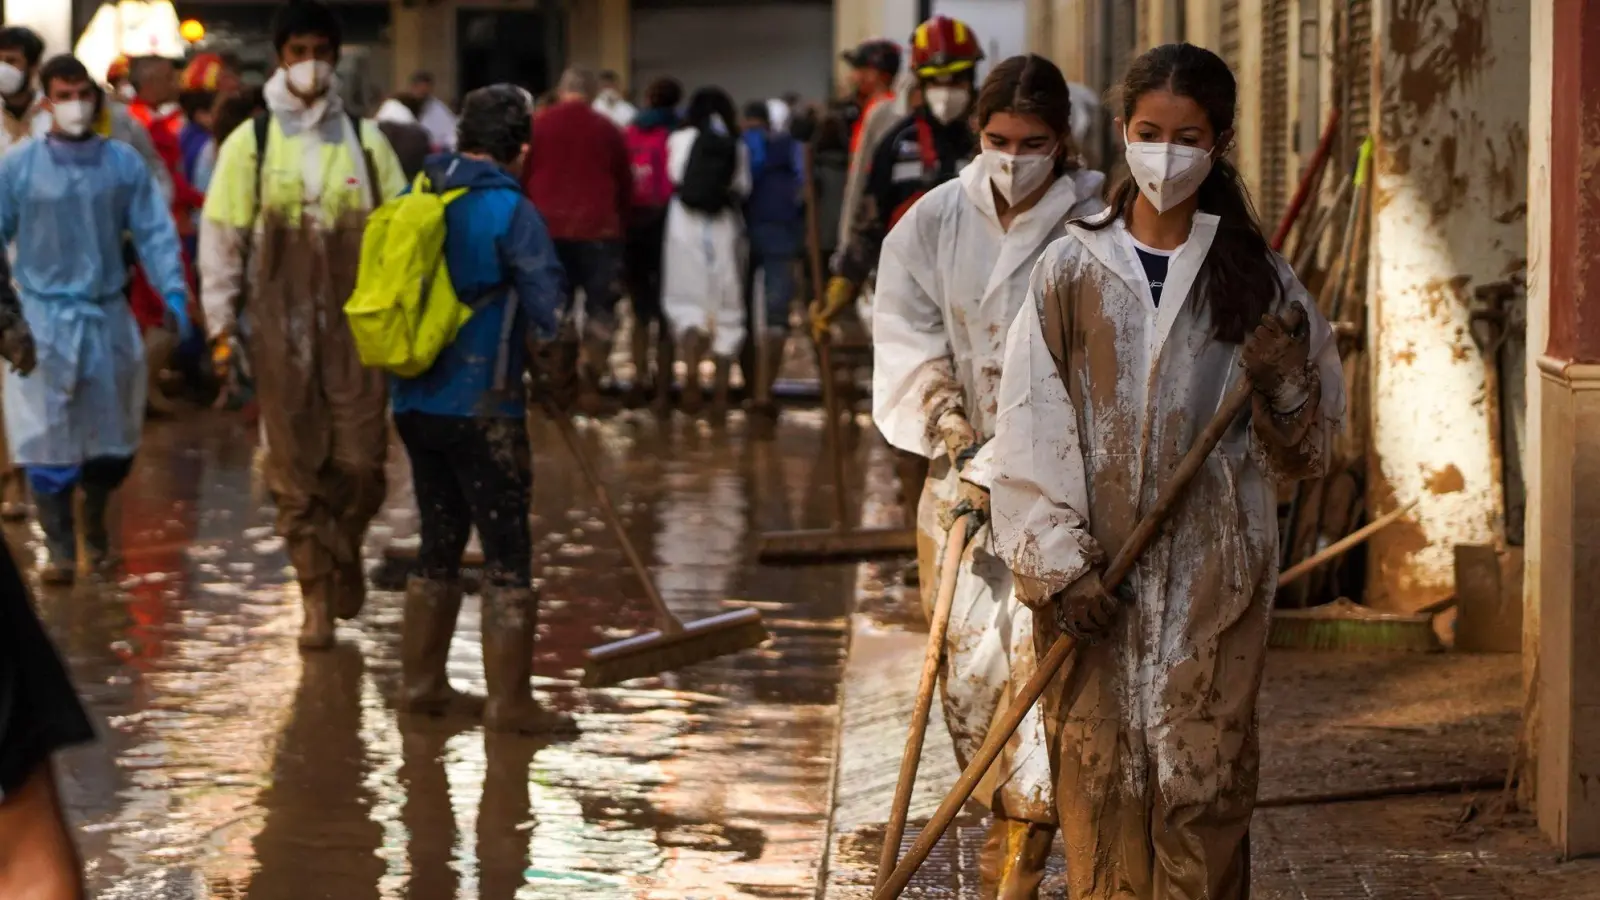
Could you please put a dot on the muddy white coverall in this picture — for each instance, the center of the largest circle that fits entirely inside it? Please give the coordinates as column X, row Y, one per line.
column 702, row 274
column 1101, row 395
column 949, row 283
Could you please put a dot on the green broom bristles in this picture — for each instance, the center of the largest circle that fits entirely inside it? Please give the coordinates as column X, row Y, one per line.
column 1343, row 625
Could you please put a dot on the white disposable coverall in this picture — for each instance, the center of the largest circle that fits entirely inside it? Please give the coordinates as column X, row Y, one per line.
column 702, row 280
column 1102, row 392
column 949, row 283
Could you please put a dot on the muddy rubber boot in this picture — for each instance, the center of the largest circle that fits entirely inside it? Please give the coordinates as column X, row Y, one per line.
column 159, row 347
column 763, row 405
column 509, row 619
column 719, row 388
column 96, row 536
column 316, row 629
column 60, row 537
column 596, row 360
column 638, row 392
column 349, row 589
column 1012, row 861
column 13, row 497
column 693, row 351
column 430, row 621
column 665, row 351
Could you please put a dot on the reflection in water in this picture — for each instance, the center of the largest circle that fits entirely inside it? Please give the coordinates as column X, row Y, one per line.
column 286, row 779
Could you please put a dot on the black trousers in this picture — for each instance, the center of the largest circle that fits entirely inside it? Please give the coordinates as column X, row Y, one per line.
column 470, row 471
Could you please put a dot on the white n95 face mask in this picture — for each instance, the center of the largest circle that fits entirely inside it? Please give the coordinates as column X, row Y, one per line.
column 1017, row 177
column 1167, row 174
column 73, row 116
column 947, row 102
column 310, row 77
column 12, row 79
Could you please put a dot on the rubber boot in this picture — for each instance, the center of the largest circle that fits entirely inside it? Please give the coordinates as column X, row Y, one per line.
column 349, row 589
column 596, row 361
column 719, row 388
column 316, row 629
column 159, row 347
column 665, row 351
column 510, row 617
column 430, row 621
column 639, row 348
column 13, row 496
column 60, row 537
column 693, row 351
column 1011, row 863
column 96, row 536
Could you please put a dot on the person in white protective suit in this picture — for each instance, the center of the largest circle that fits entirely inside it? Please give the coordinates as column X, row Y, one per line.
column 1139, row 323
column 702, row 275
column 953, row 273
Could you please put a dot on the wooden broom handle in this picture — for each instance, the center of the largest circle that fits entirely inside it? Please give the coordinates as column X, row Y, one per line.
column 1236, row 402
column 669, row 622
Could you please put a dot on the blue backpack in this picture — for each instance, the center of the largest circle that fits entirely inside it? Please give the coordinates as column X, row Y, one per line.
column 776, row 180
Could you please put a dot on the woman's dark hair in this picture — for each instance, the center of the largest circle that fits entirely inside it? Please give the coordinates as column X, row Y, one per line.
column 708, row 102
column 235, row 111
column 1031, row 85
column 663, row 93
column 16, row 37
column 195, row 102
column 496, row 122
column 298, row 17
column 1240, row 276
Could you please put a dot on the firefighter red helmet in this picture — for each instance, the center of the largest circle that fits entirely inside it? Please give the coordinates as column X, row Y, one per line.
column 944, row 46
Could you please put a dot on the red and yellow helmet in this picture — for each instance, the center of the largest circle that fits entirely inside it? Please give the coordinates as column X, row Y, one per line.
column 943, row 46
column 118, row 70
column 201, row 73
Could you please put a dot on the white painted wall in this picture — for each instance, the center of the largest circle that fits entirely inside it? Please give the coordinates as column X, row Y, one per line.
column 1001, row 25
column 52, row 19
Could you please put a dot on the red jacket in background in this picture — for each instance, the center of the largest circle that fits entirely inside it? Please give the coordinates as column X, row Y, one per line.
column 163, row 131
column 578, row 174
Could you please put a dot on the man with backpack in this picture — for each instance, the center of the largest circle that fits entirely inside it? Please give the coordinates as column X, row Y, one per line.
column 772, row 222
column 291, row 195
column 647, row 230
column 580, row 179
column 461, row 416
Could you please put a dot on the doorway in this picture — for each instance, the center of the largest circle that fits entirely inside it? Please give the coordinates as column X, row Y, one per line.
column 521, row 47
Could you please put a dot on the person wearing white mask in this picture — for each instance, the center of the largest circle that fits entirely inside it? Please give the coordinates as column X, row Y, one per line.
column 291, row 194
column 953, row 274
column 1138, row 323
column 76, row 422
column 20, row 105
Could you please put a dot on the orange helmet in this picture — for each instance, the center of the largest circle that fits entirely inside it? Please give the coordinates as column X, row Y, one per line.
column 201, row 73
column 118, row 69
column 944, row 46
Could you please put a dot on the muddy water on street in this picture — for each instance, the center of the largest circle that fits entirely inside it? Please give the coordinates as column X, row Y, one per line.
column 277, row 777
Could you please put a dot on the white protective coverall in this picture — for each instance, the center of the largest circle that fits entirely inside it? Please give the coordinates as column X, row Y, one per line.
column 949, row 283
column 702, row 269
column 1102, row 393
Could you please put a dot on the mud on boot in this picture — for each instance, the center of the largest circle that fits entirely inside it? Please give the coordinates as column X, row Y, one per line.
column 57, row 521
column 96, row 536
column 510, row 619
column 349, row 589
column 431, row 610
column 316, row 629
column 693, row 351
column 719, row 389
column 665, row 351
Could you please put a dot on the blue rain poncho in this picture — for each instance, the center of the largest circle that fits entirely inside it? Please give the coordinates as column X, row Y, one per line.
column 67, row 204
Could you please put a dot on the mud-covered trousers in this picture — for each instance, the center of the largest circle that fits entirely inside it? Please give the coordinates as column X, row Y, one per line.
column 471, row 471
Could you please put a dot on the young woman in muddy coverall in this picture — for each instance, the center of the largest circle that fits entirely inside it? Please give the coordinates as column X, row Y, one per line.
column 1141, row 321
column 953, row 273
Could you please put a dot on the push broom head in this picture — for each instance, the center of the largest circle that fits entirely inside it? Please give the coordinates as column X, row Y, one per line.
column 662, row 651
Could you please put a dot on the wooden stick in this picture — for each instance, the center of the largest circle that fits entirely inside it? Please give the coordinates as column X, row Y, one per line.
column 1236, row 402
column 954, row 549
column 1342, row 546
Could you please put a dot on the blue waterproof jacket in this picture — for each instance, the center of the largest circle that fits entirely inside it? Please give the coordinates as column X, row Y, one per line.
column 502, row 263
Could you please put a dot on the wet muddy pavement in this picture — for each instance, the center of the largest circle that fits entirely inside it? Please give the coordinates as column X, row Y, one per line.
column 227, row 759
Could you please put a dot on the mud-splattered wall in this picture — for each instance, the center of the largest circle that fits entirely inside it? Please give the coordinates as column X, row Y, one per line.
column 1449, row 211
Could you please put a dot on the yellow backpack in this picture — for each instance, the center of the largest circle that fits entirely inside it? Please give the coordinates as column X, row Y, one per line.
column 404, row 310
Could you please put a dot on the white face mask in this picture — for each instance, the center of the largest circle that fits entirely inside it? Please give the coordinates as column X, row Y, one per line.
column 1017, row 177
column 310, row 77
column 947, row 102
column 127, row 92
column 1167, row 174
column 12, row 79
column 73, row 116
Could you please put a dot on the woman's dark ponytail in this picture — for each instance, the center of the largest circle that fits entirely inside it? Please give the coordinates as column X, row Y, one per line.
column 1239, row 279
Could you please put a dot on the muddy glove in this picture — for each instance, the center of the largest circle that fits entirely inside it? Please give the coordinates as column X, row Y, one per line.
column 555, row 372
column 960, row 439
column 1275, row 360
column 840, row 294
column 1086, row 610
column 970, row 498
